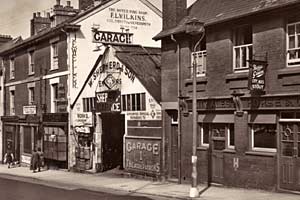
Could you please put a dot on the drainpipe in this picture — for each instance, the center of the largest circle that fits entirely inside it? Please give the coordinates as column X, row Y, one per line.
column 179, row 109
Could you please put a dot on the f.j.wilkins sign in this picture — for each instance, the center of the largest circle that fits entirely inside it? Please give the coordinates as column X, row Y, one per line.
column 112, row 37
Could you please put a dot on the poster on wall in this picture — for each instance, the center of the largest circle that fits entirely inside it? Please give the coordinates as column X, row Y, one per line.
column 257, row 73
column 108, row 101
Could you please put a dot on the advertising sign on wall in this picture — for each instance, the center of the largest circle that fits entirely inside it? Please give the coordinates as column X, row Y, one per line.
column 108, row 101
column 143, row 155
column 257, row 76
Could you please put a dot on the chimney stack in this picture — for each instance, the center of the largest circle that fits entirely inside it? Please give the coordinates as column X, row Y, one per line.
column 38, row 23
column 62, row 13
column 173, row 12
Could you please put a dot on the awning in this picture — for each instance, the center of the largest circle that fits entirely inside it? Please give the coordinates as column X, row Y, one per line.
column 262, row 118
column 216, row 118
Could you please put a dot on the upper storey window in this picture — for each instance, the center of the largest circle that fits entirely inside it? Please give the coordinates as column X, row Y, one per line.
column 31, row 62
column 12, row 68
column 293, row 44
column 199, row 59
column 242, row 50
column 54, row 56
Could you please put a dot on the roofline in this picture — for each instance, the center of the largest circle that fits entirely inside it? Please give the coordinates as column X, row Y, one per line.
column 163, row 35
column 106, row 4
column 43, row 36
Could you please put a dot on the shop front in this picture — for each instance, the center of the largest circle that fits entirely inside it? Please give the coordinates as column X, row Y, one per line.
column 256, row 147
column 55, row 139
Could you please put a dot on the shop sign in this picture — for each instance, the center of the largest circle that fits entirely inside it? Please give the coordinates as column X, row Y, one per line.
column 143, row 155
column 257, row 71
column 153, row 114
column 81, row 129
column 111, row 37
column 29, row 110
column 261, row 102
column 108, row 101
column 83, row 119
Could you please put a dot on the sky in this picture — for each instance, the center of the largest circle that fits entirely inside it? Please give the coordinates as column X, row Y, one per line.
column 15, row 15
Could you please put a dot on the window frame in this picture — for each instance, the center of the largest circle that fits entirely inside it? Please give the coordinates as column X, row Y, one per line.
column 297, row 43
column 12, row 68
column 261, row 149
column 54, row 56
column 31, row 95
column 31, row 66
column 200, row 68
column 54, row 97
column 129, row 99
column 243, row 45
column 12, row 97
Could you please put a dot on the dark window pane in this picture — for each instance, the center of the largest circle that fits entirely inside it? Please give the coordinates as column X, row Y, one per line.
column 231, row 134
column 138, row 101
column 124, row 103
column 128, row 102
column 206, row 133
column 143, row 101
column 133, row 101
column 27, row 139
column 219, row 144
column 287, row 148
column 265, row 136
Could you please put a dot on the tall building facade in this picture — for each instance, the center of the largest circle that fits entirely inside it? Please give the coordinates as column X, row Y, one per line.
column 247, row 92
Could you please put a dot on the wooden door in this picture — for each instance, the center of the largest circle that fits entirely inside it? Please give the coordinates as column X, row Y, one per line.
column 174, row 151
column 218, row 145
column 289, row 156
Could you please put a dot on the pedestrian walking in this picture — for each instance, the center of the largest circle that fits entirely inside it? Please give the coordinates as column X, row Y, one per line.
column 8, row 158
column 35, row 159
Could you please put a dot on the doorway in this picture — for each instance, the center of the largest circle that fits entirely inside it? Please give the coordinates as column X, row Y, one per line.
column 289, row 155
column 113, row 126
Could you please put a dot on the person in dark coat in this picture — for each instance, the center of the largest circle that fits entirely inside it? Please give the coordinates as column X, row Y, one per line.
column 9, row 157
column 41, row 159
column 35, row 160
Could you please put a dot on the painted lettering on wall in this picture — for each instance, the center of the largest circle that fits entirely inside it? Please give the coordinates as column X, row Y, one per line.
column 74, row 64
column 129, row 17
column 111, row 66
column 154, row 114
column 143, row 155
column 112, row 37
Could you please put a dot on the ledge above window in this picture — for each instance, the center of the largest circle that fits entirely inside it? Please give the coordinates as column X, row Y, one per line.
column 234, row 76
column 289, row 71
column 202, row 80
column 261, row 153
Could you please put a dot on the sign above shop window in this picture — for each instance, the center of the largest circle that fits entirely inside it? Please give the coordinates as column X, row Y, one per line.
column 112, row 37
column 29, row 110
column 257, row 75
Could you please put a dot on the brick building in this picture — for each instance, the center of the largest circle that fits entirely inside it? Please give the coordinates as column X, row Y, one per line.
column 36, row 89
column 247, row 84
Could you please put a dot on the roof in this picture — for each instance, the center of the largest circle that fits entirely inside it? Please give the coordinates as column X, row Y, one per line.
column 217, row 11
column 145, row 63
column 9, row 44
column 38, row 37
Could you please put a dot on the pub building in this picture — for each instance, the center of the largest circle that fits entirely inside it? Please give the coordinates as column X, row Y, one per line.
column 115, row 115
column 247, row 92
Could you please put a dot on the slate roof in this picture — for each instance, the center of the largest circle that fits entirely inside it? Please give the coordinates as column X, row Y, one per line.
column 145, row 62
column 217, row 11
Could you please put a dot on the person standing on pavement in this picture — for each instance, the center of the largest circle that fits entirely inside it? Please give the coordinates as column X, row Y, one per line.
column 35, row 159
column 8, row 158
column 41, row 159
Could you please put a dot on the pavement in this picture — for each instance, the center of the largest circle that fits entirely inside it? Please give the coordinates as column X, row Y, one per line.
column 118, row 182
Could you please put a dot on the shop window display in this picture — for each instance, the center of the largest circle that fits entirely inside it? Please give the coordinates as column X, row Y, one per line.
column 264, row 137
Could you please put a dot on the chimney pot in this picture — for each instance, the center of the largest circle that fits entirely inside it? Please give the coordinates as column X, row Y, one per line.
column 34, row 15
column 68, row 3
column 48, row 14
column 38, row 14
column 58, row 2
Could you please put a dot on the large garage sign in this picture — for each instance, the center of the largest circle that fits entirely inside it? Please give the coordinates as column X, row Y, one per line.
column 143, row 155
column 108, row 101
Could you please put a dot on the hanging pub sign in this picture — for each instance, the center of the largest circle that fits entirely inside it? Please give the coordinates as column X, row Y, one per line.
column 108, row 101
column 111, row 37
column 257, row 73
